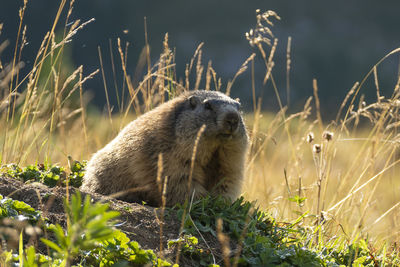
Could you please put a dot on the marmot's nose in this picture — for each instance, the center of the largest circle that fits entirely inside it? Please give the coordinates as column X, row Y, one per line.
column 232, row 121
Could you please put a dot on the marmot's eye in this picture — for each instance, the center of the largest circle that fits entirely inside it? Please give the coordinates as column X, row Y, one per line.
column 207, row 105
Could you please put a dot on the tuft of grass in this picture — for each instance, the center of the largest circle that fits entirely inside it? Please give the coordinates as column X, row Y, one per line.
column 44, row 103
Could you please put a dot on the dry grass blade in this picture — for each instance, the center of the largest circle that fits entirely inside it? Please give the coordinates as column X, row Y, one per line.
column 384, row 215
column 348, row 95
column 395, row 51
column 317, row 103
column 363, row 185
column 162, row 187
column 224, row 241
column 270, row 64
column 105, row 84
column 242, row 69
column 196, row 143
column 193, row 159
column 288, row 66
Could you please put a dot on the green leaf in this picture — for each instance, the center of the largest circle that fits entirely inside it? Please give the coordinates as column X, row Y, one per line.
column 31, row 257
column 297, row 199
column 21, row 250
column 51, row 244
column 23, row 207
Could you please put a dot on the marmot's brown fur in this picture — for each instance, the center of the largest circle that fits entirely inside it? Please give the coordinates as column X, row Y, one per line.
column 130, row 161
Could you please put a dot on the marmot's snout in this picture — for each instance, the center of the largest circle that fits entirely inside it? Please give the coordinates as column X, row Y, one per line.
column 231, row 122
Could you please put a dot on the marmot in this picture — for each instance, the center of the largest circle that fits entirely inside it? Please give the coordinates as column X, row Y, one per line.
column 130, row 161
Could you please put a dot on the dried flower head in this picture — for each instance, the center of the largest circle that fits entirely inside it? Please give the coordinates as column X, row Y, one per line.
column 317, row 148
column 310, row 137
column 328, row 136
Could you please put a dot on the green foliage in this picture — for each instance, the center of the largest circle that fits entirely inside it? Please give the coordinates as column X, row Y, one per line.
column 77, row 173
column 19, row 210
column 47, row 174
column 355, row 254
column 91, row 237
column 88, row 240
column 6, row 258
column 298, row 200
column 87, row 225
column 204, row 213
column 120, row 249
column 28, row 258
column 264, row 242
column 189, row 246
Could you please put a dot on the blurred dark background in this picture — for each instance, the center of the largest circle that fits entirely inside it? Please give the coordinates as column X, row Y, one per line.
column 336, row 42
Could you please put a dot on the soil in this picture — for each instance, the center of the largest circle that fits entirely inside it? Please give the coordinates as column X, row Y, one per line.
column 141, row 223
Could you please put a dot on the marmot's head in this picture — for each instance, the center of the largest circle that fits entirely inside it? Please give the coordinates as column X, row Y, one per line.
column 219, row 113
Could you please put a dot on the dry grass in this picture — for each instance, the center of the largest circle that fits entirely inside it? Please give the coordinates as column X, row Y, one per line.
column 347, row 173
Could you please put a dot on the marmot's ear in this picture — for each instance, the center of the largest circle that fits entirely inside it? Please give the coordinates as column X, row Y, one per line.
column 238, row 104
column 194, row 101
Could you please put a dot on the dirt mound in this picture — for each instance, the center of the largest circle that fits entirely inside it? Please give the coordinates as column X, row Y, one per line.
column 140, row 222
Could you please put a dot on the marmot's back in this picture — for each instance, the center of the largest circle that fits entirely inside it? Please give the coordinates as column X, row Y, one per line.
column 128, row 164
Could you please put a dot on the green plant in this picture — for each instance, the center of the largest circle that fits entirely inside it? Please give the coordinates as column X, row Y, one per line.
column 47, row 174
column 87, row 225
column 77, row 173
column 120, row 249
column 15, row 209
column 88, row 240
column 261, row 241
column 91, row 237
column 190, row 248
column 29, row 258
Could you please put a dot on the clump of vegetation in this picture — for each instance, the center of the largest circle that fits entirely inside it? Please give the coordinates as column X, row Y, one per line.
column 120, row 249
column 47, row 174
column 15, row 209
column 17, row 217
column 89, row 239
column 250, row 237
column 189, row 246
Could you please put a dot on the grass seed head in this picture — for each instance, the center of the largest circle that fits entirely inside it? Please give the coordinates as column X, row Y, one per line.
column 328, row 136
column 317, row 148
column 310, row 137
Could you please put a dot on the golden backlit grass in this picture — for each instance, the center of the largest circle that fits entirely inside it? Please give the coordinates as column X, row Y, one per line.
column 341, row 176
